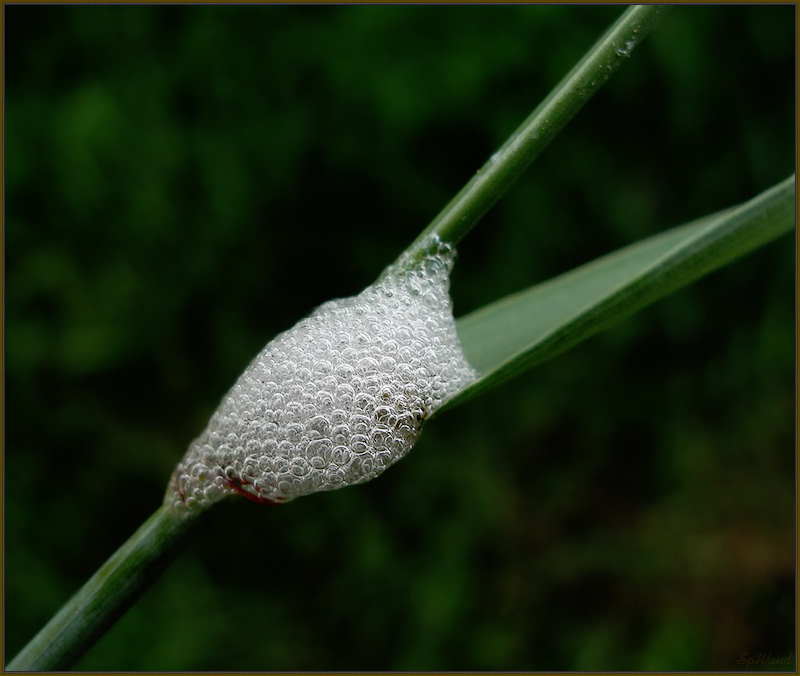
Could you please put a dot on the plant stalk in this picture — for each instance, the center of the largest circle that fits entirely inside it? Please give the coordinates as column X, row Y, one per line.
column 562, row 104
column 109, row 592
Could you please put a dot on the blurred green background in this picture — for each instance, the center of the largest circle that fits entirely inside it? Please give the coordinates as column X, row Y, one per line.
column 182, row 183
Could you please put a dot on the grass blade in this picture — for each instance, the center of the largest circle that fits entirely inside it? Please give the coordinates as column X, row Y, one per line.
column 513, row 334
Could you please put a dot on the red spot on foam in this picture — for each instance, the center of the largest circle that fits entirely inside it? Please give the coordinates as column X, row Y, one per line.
column 236, row 485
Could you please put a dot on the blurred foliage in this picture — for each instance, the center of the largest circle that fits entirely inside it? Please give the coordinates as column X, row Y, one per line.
column 183, row 182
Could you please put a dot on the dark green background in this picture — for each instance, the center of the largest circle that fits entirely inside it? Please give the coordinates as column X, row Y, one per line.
column 183, row 183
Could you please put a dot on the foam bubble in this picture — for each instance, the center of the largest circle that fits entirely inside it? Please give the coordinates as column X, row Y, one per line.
column 336, row 399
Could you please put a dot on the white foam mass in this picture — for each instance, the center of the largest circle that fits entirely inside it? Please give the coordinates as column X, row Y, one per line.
column 336, row 399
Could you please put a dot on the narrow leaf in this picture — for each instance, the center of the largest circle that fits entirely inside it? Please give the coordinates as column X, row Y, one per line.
column 511, row 335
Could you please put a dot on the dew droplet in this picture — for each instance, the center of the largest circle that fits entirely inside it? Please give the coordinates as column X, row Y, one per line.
column 626, row 49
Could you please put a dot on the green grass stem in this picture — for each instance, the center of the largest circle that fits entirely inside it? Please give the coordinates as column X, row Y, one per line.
column 109, row 592
column 505, row 166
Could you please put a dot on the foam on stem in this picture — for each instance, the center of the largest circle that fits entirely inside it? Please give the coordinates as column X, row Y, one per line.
column 336, row 399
